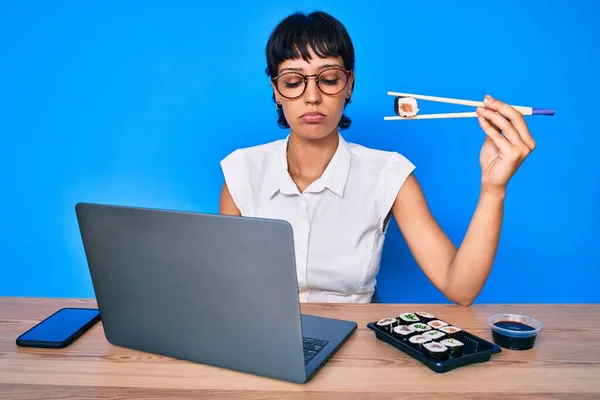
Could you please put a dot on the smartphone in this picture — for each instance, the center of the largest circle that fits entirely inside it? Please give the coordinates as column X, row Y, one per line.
column 60, row 329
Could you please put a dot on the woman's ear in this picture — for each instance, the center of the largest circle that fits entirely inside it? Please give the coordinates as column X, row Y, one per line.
column 276, row 95
column 350, row 87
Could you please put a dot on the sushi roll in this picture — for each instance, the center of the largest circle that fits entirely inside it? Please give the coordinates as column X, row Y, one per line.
column 455, row 347
column 437, row 324
column 420, row 327
column 425, row 317
column 406, row 106
column 417, row 341
column 434, row 335
column 408, row 318
column 436, row 350
column 451, row 331
column 386, row 324
column 403, row 332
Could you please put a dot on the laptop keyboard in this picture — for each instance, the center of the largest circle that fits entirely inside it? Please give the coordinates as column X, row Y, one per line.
column 312, row 347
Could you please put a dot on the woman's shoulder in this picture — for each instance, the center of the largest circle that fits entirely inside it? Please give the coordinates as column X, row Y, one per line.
column 259, row 149
column 255, row 154
column 245, row 169
column 387, row 169
column 379, row 159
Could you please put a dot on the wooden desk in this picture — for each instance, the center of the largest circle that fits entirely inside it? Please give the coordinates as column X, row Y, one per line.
column 564, row 364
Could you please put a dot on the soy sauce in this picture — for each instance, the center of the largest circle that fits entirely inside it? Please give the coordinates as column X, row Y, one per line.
column 513, row 343
column 514, row 326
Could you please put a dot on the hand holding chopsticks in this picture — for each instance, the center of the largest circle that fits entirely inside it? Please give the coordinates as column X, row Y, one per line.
column 508, row 140
column 507, row 145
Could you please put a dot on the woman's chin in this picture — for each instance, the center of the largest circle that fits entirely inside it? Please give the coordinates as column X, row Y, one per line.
column 314, row 131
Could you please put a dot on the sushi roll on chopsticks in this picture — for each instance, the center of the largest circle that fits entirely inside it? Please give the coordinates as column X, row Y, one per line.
column 436, row 350
column 405, row 106
column 387, row 324
column 455, row 347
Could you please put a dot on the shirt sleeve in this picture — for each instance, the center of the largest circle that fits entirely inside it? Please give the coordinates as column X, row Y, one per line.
column 235, row 174
column 397, row 169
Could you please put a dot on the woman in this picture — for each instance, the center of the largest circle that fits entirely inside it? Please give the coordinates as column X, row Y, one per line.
column 339, row 196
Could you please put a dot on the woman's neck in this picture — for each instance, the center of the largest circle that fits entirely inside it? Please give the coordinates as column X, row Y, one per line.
column 309, row 158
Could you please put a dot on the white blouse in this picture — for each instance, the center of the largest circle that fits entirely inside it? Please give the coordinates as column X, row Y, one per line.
column 339, row 221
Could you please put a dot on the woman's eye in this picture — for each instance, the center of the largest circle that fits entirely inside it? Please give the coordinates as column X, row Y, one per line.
column 330, row 81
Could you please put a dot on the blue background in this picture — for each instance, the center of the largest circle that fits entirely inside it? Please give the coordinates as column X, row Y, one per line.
column 136, row 104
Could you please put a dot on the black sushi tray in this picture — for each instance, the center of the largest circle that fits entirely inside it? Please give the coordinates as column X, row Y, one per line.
column 474, row 350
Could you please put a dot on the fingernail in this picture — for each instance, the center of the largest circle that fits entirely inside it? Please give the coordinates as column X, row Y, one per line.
column 479, row 109
column 488, row 99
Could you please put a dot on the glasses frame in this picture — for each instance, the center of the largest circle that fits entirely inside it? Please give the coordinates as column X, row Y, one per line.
column 305, row 78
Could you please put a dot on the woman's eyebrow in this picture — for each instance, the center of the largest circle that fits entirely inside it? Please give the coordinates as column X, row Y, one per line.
column 302, row 69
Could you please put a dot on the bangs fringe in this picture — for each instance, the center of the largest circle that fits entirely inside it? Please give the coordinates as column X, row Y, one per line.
column 298, row 33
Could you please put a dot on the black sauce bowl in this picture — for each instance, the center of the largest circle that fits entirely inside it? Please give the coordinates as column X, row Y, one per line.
column 514, row 332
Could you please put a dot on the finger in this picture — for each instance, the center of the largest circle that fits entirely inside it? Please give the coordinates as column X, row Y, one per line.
column 494, row 126
column 505, row 126
column 514, row 116
column 494, row 135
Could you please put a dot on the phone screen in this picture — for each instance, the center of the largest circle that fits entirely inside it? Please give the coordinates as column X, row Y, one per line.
column 61, row 325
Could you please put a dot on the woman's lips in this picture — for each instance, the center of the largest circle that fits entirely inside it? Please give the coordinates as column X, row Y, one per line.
column 312, row 117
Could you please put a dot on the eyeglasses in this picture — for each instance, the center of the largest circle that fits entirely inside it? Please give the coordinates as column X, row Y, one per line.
column 292, row 85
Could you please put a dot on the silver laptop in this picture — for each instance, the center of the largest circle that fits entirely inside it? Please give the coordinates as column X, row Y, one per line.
column 213, row 289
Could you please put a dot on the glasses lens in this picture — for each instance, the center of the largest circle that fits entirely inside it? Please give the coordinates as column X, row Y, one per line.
column 290, row 84
column 332, row 81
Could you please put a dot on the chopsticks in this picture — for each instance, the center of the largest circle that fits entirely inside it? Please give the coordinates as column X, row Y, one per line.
column 434, row 116
column 522, row 109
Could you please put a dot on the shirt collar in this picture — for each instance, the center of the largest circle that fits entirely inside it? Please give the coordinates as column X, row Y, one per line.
column 334, row 177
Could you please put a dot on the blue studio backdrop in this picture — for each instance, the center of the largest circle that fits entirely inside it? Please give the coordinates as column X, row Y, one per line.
column 136, row 104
